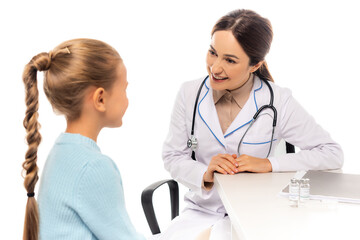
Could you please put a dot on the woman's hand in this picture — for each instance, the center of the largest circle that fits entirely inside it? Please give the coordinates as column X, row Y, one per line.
column 222, row 163
column 248, row 163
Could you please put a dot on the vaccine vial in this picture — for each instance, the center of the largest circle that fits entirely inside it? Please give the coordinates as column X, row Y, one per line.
column 304, row 190
column 294, row 192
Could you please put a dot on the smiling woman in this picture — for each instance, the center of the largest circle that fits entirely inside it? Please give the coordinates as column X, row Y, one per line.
column 235, row 33
column 238, row 88
column 228, row 71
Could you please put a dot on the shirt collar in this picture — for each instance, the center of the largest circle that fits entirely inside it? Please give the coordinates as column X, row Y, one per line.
column 73, row 138
column 237, row 94
column 218, row 94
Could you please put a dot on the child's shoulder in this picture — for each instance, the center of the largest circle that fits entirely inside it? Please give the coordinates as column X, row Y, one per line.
column 98, row 159
column 81, row 151
column 98, row 163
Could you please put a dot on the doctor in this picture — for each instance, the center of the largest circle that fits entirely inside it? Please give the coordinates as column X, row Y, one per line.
column 229, row 140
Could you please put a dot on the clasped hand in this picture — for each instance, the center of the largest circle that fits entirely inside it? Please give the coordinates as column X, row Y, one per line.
column 231, row 164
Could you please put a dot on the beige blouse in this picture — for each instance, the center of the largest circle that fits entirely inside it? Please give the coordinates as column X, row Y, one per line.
column 228, row 103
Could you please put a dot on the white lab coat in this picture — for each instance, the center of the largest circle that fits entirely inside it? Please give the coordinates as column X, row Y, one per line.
column 294, row 125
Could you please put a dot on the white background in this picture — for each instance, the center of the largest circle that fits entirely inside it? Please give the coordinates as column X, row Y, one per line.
column 315, row 53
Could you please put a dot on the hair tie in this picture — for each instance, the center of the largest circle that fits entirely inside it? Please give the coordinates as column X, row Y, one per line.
column 50, row 59
column 31, row 194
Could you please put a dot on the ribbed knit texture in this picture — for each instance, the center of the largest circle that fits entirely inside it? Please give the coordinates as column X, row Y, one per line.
column 81, row 194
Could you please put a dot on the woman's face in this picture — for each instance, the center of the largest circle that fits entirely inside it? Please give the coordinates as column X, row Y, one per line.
column 227, row 63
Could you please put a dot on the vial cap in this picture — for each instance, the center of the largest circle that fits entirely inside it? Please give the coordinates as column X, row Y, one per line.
column 305, row 180
column 294, row 180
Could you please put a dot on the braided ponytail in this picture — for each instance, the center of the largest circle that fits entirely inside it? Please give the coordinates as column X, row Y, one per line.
column 70, row 69
column 40, row 62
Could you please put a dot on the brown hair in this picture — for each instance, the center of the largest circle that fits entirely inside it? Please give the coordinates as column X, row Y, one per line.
column 70, row 68
column 253, row 33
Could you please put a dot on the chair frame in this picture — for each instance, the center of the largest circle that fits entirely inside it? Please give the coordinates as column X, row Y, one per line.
column 147, row 202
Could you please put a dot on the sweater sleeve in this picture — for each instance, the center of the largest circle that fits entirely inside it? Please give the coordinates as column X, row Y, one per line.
column 318, row 150
column 99, row 201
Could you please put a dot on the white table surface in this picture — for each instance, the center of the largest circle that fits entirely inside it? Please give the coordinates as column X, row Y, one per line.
column 258, row 212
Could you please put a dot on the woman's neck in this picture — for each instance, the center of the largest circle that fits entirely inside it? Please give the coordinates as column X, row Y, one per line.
column 245, row 87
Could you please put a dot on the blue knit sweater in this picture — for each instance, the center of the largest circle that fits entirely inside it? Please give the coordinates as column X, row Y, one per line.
column 81, row 194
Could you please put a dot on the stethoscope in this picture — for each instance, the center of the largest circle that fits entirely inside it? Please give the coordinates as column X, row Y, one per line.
column 192, row 141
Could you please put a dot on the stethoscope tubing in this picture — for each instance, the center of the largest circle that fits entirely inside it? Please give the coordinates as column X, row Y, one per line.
column 196, row 103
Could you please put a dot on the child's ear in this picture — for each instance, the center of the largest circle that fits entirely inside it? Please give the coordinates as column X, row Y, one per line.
column 99, row 99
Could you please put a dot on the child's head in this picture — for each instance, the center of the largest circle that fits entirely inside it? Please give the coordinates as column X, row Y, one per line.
column 71, row 70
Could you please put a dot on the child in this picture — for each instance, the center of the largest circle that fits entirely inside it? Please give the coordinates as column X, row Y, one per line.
column 81, row 194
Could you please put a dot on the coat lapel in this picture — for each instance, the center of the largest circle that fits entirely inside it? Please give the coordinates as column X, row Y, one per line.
column 207, row 112
column 247, row 112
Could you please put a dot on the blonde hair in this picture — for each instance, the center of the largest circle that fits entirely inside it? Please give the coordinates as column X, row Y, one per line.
column 70, row 68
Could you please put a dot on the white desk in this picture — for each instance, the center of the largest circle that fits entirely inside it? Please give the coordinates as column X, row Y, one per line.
column 257, row 212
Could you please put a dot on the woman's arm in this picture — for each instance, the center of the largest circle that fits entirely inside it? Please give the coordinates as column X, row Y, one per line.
column 176, row 154
column 318, row 150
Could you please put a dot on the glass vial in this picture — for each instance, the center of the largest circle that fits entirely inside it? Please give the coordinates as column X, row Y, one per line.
column 304, row 190
column 294, row 192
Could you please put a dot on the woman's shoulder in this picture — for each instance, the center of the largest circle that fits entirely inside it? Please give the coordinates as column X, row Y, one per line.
column 189, row 89
column 282, row 96
column 192, row 85
column 280, row 93
column 276, row 87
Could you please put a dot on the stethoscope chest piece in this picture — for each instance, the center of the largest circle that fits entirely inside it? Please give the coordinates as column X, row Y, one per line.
column 192, row 143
